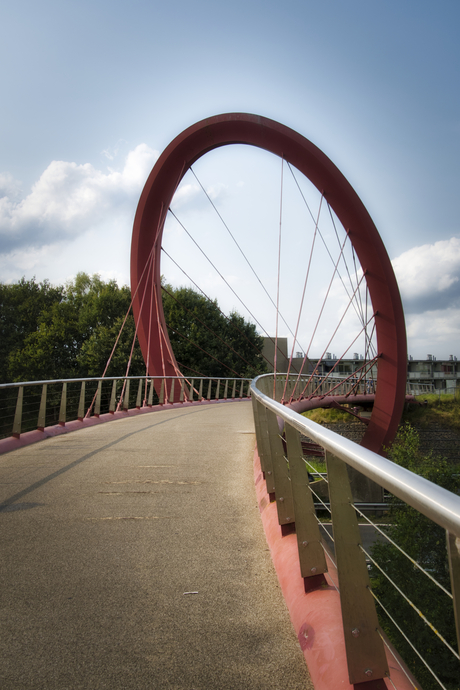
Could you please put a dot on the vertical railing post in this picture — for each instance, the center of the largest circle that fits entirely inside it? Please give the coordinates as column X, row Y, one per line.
column 126, row 396
column 162, row 392
column 181, row 394
column 217, row 390
column 113, row 398
column 208, row 397
column 453, row 550
column 150, row 398
column 234, row 389
column 311, row 554
column 283, row 490
column 139, row 394
column 364, row 648
column 42, row 410
column 241, row 389
column 225, row 389
column 17, row 422
column 81, row 402
column 63, row 407
column 263, row 447
column 97, row 404
column 171, row 394
column 190, row 395
column 200, row 392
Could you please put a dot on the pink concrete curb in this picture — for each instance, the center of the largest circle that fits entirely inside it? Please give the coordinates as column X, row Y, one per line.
column 316, row 616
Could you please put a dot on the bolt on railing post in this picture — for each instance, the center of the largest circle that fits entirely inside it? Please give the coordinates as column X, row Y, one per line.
column 283, row 490
column 364, row 648
column 113, row 398
column 17, row 422
column 63, row 407
column 453, row 550
column 311, row 555
column 42, row 410
column 263, row 447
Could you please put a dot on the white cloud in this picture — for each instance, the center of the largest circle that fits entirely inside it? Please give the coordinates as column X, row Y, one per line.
column 70, row 198
column 429, row 276
column 429, row 281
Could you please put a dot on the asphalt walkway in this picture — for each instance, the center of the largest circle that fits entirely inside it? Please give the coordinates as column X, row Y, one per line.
column 133, row 556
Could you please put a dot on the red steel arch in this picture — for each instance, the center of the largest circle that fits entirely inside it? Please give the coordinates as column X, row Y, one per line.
column 254, row 130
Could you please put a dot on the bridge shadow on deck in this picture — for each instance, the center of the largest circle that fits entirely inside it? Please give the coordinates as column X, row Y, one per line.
column 133, row 556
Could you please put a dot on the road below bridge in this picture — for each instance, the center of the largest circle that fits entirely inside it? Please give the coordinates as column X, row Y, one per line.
column 133, row 556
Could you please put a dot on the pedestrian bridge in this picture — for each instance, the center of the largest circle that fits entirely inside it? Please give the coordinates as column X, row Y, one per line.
column 134, row 552
column 133, row 556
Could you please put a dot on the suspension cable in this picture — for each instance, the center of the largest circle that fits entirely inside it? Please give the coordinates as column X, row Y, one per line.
column 241, row 251
column 218, row 272
column 278, row 281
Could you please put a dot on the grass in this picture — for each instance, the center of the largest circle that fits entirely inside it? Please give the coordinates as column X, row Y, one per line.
column 430, row 409
column 326, row 416
column 434, row 409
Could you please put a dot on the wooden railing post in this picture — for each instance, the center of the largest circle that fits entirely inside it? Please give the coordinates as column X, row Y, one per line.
column 17, row 422
column 42, row 410
column 364, row 648
column 63, row 407
column 453, row 550
column 311, row 554
column 283, row 490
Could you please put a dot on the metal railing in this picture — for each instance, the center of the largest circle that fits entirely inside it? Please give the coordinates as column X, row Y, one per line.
column 278, row 432
column 31, row 405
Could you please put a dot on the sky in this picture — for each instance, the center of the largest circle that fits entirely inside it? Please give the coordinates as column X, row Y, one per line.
column 92, row 92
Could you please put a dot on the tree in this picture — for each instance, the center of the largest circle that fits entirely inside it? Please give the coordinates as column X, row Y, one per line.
column 74, row 334
column 425, row 542
column 70, row 331
column 207, row 343
column 21, row 307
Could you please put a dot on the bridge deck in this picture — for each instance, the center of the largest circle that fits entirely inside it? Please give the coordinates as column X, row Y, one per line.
column 133, row 556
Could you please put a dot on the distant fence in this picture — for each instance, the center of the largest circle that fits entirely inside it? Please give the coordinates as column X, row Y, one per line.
column 31, row 405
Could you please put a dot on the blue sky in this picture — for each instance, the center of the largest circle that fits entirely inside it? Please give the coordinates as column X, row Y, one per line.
column 93, row 91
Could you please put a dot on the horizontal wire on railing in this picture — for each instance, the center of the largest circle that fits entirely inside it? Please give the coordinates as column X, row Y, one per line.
column 314, row 469
column 322, row 502
column 406, row 598
column 397, row 661
column 393, row 543
column 407, row 639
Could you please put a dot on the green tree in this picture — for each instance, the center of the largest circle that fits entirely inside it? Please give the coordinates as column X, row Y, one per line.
column 21, row 307
column 74, row 334
column 206, row 342
column 425, row 542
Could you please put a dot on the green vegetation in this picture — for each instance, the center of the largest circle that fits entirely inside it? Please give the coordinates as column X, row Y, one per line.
column 329, row 416
column 435, row 409
column 206, row 342
column 69, row 331
column 425, row 542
